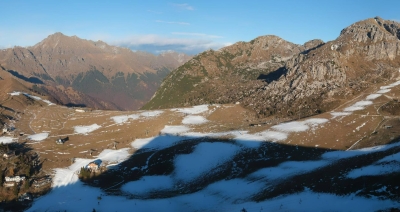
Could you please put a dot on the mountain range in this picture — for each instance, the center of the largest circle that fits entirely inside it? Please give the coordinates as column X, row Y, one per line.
column 78, row 72
column 275, row 77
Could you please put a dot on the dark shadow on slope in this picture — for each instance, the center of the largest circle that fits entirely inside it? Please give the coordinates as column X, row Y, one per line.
column 330, row 178
column 75, row 105
column 34, row 80
column 309, row 50
column 273, row 76
column 24, row 162
column 7, row 108
column 327, row 179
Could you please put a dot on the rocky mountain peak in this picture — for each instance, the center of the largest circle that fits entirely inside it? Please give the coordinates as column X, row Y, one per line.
column 372, row 30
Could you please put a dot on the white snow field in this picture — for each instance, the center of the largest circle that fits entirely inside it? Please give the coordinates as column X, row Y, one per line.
column 153, row 113
column 194, row 120
column 287, row 169
column 192, row 110
column 6, row 139
column 174, row 129
column 206, row 156
column 358, row 106
column 373, row 96
column 148, row 184
column 16, row 93
column 159, row 142
column 124, row 118
column 38, row 137
column 86, row 129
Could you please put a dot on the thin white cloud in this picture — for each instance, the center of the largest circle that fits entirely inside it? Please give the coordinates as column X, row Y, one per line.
column 183, row 6
column 172, row 22
column 155, row 12
column 196, row 34
column 156, row 44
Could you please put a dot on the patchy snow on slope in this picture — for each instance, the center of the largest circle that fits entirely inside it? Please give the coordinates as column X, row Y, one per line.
column 373, row 170
column 313, row 122
column 38, row 137
column 111, row 155
column 351, row 153
column 175, row 129
column 373, row 96
column 383, row 91
column 86, row 129
column 288, row 169
column 273, row 135
column 255, row 140
column 153, row 113
column 336, row 114
column 7, row 139
column 124, row 118
column 232, row 190
column 159, row 142
column 15, row 93
column 294, row 126
column 194, row 120
column 148, row 184
column 206, row 156
column 358, row 106
column 249, row 140
column 390, row 158
column 192, row 110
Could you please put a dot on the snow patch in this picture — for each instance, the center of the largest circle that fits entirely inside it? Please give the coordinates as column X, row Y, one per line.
column 336, row 114
column 124, row 118
column 206, row 157
column 159, row 142
column 373, row 96
column 38, row 137
column 86, row 129
column 194, row 120
column 383, row 91
column 153, row 113
column 6, row 139
column 358, row 106
column 193, row 110
column 294, row 126
column 148, row 184
column 174, row 129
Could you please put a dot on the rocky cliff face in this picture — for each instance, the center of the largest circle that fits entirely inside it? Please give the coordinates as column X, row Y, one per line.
column 95, row 74
column 293, row 81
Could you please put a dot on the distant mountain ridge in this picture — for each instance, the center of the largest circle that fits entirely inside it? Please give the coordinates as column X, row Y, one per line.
column 274, row 77
column 91, row 73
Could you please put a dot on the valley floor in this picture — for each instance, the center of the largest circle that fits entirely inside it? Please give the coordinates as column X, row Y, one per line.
column 218, row 158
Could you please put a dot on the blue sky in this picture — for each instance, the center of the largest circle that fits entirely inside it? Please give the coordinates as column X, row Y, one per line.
column 185, row 26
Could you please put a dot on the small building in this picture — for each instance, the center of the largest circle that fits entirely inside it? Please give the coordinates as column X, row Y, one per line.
column 94, row 166
column 16, row 179
column 8, row 184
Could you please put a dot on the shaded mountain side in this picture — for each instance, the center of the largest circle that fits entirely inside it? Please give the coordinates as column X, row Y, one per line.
column 293, row 81
column 117, row 78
